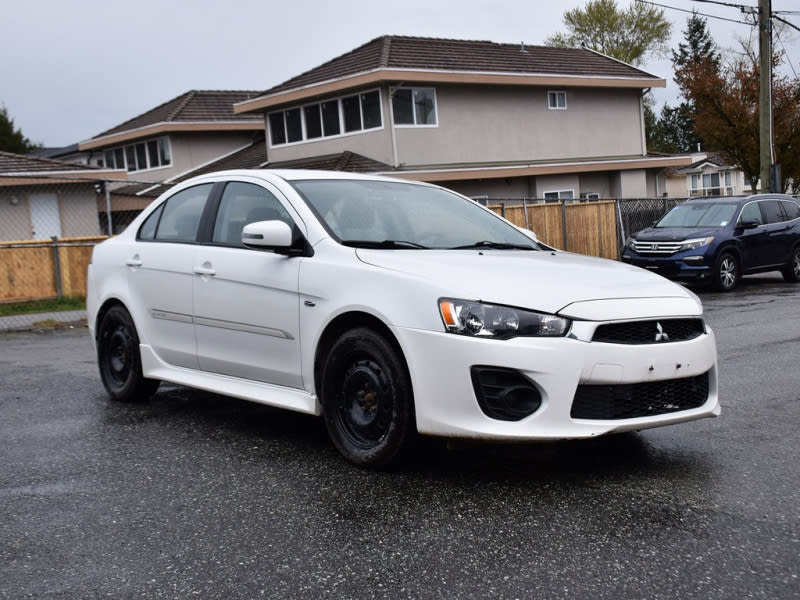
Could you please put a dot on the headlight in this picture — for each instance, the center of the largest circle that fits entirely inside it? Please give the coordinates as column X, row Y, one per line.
column 478, row 319
column 695, row 244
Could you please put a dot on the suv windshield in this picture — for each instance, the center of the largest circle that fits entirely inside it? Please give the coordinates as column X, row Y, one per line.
column 397, row 215
column 703, row 214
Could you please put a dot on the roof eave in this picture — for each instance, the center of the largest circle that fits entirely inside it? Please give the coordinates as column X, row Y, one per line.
column 377, row 76
column 533, row 169
column 170, row 127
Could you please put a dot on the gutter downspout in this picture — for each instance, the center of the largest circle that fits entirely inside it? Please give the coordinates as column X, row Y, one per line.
column 392, row 90
column 641, row 120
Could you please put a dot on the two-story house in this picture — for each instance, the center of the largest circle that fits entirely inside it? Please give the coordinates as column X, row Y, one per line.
column 171, row 140
column 485, row 119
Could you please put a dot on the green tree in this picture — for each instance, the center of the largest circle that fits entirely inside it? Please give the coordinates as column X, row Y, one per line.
column 629, row 35
column 11, row 139
column 674, row 129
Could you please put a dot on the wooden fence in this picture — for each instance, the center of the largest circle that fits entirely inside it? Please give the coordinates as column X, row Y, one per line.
column 32, row 270
column 38, row 269
column 581, row 227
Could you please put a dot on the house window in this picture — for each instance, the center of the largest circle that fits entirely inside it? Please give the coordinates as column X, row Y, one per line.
column 349, row 114
column 149, row 154
column 559, row 195
column 414, row 106
column 711, row 184
column 557, row 100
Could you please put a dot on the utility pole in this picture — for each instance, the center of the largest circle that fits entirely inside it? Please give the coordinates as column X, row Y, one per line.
column 765, row 94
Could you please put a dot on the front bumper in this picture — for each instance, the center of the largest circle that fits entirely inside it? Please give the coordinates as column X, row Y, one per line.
column 446, row 403
column 685, row 266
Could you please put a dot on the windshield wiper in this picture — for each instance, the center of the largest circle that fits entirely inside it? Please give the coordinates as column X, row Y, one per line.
column 384, row 245
column 494, row 246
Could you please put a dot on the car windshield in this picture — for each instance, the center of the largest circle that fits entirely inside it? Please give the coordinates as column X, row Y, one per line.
column 397, row 215
column 716, row 214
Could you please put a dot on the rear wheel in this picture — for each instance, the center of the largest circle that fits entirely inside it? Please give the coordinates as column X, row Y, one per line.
column 367, row 399
column 726, row 272
column 119, row 359
column 791, row 272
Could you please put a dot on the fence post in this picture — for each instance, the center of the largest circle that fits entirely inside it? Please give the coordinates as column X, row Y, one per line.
column 525, row 212
column 57, row 267
column 564, row 224
column 108, row 208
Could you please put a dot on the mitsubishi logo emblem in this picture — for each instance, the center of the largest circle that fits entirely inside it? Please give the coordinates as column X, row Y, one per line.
column 661, row 335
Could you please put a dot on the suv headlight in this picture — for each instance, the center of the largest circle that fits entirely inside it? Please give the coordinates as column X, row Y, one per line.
column 478, row 319
column 695, row 244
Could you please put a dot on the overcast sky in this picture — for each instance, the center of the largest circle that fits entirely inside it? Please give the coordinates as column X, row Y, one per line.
column 70, row 70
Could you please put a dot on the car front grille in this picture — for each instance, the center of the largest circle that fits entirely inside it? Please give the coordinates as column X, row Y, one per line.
column 659, row 248
column 629, row 401
column 650, row 332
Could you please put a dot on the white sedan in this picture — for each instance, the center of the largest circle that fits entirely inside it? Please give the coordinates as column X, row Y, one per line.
column 392, row 309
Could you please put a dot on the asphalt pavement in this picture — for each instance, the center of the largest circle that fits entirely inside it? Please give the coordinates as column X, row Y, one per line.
column 193, row 495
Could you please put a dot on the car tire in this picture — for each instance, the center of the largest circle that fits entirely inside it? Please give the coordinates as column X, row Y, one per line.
column 367, row 401
column 791, row 272
column 726, row 272
column 119, row 359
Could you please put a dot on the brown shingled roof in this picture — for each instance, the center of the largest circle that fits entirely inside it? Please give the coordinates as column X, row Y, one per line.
column 23, row 163
column 398, row 52
column 193, row 106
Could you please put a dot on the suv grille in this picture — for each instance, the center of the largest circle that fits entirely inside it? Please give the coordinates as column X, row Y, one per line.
column 629, row 401
column 656, row 247
column 650, row 332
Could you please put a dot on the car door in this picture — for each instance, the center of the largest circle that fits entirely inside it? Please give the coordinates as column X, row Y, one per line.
column 246, row 303
column 754, row 240
column 778, row 232
column 160, row 275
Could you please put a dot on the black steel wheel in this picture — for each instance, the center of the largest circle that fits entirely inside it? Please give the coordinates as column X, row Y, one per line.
column 119, row 359
column 367, row 399
column 726, row 272
column 791, row 272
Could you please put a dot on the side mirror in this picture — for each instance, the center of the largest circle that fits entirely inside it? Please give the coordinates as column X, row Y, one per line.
column 748, row 224
column 268, row 235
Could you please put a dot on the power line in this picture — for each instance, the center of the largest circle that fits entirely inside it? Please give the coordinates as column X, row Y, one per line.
column 739, row 6
column 789, row 23
column 694, row 12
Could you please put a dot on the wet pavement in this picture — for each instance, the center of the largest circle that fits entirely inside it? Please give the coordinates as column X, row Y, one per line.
column 196, row 495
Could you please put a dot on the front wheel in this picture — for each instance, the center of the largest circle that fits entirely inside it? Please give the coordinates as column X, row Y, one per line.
column 368, row 405
column 791, row 272
column 726, row 272
column 119, row 359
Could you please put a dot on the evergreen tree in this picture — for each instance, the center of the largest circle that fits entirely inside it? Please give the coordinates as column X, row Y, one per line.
column 674, row 129
column 11, row 139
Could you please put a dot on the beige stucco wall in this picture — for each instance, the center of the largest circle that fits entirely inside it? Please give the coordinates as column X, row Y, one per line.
column 191, row 150
column 498, row 124
column 478, row 124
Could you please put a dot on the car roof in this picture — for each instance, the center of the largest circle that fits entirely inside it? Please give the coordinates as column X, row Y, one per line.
column 738, row 199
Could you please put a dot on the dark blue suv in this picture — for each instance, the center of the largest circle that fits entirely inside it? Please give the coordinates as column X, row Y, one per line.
column 717, row 240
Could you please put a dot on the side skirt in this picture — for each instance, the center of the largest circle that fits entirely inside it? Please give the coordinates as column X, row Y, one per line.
column 255, row 391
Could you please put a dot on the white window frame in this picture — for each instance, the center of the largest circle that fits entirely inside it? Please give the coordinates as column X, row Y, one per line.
column 698, row 188
column 560, row 194
column 556, row 94
column 342, row 132
column 414, row 112
column 161, row 140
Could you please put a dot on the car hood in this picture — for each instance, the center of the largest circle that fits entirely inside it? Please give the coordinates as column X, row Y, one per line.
column 545, row 281
column 673, row 234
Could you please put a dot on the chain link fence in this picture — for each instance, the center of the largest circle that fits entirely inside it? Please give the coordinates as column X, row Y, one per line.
column 48, row 227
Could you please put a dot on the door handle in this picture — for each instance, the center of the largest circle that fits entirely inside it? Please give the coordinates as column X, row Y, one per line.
column 205, row 269
column 134, row 261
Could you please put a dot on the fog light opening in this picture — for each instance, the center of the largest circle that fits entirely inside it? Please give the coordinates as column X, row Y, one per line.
column 505, row 394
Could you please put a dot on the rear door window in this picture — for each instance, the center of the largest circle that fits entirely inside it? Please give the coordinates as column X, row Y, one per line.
column 180, row 217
